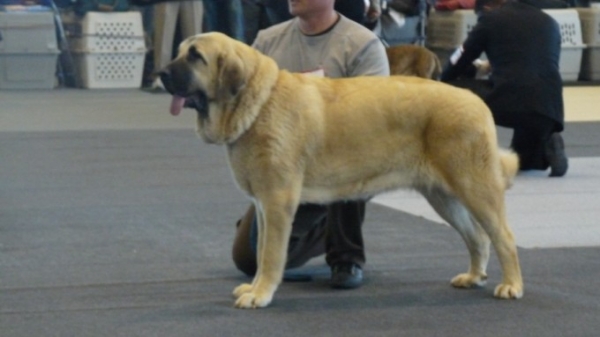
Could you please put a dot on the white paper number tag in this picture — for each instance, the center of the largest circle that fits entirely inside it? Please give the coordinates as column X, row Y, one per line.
column 320, row 72
column 456, row 55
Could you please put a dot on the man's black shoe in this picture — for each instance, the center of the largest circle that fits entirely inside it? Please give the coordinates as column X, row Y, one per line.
column 555, row 154
column 346, row 275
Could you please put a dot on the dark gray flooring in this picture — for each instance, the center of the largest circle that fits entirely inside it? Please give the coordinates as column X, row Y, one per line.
column 127, row 233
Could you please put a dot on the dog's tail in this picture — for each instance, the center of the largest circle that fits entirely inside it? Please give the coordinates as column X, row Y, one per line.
column 510, row 166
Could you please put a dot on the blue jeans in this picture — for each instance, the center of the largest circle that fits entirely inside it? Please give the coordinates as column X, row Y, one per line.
column 225, row 16
column 334, row 230
column 277, row 12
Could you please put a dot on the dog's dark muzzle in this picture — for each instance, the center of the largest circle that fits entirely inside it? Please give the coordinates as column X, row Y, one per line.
column 177, row 79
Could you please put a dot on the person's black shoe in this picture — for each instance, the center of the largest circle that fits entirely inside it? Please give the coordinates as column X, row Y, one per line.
column 346, row 275
column 555, row 154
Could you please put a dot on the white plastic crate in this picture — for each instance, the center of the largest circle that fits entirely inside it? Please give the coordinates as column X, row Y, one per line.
column 110, row 70
column 108, row 49
column 107, row 33
column 28, row 71
column 449, row 29
column 570, row 63
column 571, row 42
column 570, row 26
column 28, row 50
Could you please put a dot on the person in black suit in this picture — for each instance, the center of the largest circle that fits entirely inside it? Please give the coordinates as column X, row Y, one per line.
column 524, row 90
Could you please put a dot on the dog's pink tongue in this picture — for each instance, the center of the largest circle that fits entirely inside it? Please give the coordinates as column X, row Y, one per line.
column 177, row 104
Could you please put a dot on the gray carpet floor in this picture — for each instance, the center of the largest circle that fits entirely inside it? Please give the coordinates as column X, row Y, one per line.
column 127, row 232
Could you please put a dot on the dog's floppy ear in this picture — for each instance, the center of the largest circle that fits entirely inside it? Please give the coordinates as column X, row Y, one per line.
column 232, row 76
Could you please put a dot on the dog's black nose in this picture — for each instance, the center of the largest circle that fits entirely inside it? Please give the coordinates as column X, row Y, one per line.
column 166, row 78
column 176, row 77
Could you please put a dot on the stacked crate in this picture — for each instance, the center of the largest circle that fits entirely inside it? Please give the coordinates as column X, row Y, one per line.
column 590, row 26
column 447, row 30
column 109, row 49
column 571, row 42
column 28, row 50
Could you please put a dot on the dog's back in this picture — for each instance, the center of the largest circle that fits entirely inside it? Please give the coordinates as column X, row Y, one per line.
column 412, row 60
column 393, row 132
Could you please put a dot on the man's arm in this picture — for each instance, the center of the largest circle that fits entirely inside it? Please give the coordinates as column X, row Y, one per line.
column 461, row 62
column 371, row 60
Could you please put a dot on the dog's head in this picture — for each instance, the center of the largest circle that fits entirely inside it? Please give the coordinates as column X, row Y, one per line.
column 207, row 75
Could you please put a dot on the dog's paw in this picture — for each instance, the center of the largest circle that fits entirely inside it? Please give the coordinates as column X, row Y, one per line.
column 467, row 280
column 242, row 289
column 508, row 291
column 252, row 301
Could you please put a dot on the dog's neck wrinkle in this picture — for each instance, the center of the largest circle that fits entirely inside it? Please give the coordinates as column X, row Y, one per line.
column 252, row 97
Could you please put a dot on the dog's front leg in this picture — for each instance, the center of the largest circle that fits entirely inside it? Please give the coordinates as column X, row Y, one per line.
column 274, row 229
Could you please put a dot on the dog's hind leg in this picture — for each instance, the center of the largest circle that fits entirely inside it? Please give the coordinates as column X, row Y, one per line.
column 485, row 201
column 274, row 215
column 476, row 239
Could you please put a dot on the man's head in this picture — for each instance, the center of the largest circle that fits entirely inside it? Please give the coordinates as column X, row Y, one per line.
column 303, row 8
column 315, row 16
column 482, row 6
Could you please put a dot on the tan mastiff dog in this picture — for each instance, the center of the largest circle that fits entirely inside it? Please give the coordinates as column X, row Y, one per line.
column 412, row 60
column 294, row 138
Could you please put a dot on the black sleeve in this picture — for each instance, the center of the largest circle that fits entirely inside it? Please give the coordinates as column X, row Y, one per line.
column 462, row 64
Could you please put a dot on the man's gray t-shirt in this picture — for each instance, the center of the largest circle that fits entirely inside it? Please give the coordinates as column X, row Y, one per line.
column 346, row 50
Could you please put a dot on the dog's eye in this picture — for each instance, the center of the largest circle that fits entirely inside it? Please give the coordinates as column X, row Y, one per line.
column 194, row 55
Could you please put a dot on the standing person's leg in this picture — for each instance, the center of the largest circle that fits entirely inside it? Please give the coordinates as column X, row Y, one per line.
column 191, row 14
column 211, row 14
column 354, row 10
column 148, row 24
column 225, row 16
column 277, row 11
column 235, row 20
column 254, row 18
column 165, row 19
column 345, row 247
